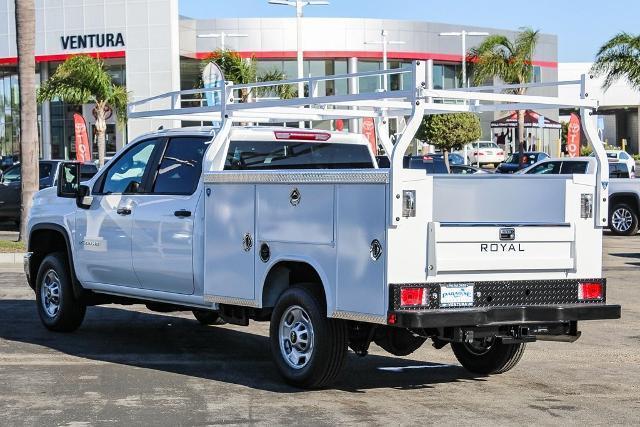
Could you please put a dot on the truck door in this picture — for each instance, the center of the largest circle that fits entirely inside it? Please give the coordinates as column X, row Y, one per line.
column 104, row 231
column 163, row 223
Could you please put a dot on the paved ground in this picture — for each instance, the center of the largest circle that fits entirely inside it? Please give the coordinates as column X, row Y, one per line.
column 130, row 366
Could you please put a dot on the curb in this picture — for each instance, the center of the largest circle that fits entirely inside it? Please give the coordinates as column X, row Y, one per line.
column 12, row 258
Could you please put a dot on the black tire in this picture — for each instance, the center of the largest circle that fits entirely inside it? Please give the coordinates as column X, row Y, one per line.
column 328, row 339
column 208, row 317
column 496, row 358
column 58, row 308
column 623, row 220
column 399, row 342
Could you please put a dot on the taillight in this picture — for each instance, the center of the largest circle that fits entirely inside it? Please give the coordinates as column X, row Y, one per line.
column 302, row 136
column 413, row 296
column 500, row 153
column 590, row 291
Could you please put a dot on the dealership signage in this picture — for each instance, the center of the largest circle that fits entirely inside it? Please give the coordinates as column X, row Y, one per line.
column 90, row 41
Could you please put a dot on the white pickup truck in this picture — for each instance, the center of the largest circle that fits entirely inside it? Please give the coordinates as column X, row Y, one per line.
column 300, row 228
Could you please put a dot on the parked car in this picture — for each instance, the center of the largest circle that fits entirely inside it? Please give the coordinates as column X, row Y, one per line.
column 454, row 158
column 12, row 177
column 466, row 169
column 484, row 153
column 512, row 164
column 578, row 165
column 430, row 164
column 621, row 156
column 624, row 193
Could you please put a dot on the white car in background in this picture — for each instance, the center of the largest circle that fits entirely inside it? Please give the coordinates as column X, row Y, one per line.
column 621, row 156
column 483, row 153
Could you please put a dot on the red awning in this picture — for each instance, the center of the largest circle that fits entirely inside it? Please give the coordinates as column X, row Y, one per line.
column 530, row 121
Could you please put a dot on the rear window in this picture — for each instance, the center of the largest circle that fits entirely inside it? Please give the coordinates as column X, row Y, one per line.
column 574, row 167
column 265, row 155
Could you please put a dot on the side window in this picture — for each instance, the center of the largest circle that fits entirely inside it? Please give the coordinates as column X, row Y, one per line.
column 126, row 174
column 624, row 156
column 546, row 168
column 45, row 170
column 181, row 166
column 569, row 168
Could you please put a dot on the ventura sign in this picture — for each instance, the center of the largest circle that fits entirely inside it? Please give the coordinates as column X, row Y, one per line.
column 92, row 41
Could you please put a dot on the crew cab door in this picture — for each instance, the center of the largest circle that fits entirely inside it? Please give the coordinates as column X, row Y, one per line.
column 104, row 231
column 163, row 221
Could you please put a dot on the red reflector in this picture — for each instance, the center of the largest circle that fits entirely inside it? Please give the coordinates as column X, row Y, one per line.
column 590, row 290
column 392, row 319
column 412, row 296
column 303, row 136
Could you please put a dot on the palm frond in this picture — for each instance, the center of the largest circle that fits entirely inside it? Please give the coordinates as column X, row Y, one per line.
column 82, row 79
column 619, row 58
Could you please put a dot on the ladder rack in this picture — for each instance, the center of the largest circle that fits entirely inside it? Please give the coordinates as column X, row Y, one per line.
column 416, row 99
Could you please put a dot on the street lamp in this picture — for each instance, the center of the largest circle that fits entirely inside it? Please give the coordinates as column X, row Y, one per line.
column 384, row 42
column 299, row 4
column 464, row 35
column 222, row 36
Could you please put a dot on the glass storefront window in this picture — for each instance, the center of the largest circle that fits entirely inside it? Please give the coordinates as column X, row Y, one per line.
column 369, row 84
column 445, row 76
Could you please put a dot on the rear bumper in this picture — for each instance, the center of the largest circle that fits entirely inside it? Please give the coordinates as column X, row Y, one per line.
column 493, row 316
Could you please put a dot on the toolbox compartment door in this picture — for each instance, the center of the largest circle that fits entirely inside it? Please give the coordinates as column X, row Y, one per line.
column 469, row 247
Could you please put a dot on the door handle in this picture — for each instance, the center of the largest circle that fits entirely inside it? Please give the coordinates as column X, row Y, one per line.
column 182, row 213
column 123, row 211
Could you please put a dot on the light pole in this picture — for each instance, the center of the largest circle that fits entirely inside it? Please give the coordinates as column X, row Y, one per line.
column 222, row 36
column 384, row 42
column 463, row 35
column 299, row 4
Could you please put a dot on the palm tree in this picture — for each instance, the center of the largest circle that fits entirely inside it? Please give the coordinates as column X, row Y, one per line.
column 619, row 58
column 510, row 61
column 29, row 147
column 243, row 71
column 82, row 79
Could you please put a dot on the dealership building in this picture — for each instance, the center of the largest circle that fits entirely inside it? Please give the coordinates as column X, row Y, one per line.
column 147, row 46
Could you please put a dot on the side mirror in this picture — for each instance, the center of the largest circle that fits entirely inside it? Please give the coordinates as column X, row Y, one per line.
column 69, row 185
column 68, row 179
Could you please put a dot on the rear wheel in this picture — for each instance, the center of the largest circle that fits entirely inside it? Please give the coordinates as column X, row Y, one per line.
column 308, row 348
column 623, row 220
column 208, row 317
column 58, row 308
column 488, row 356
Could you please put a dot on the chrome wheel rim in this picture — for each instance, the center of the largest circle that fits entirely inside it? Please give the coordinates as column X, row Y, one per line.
column 50, row 293
column 296, row 337
column 622, row 219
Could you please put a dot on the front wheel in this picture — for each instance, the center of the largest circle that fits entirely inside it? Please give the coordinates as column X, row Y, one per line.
column 623, row 220
column 308, row 348
column 58, row 308
column 486, row 357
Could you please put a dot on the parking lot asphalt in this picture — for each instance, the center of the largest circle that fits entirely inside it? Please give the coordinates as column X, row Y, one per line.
column 131, row 366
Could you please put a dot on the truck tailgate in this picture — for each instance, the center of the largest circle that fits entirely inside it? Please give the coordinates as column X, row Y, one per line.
column 478, row 247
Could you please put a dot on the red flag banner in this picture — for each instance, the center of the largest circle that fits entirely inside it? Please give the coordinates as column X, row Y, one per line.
column 369, row 130
column 83, row 149
column 573, row 136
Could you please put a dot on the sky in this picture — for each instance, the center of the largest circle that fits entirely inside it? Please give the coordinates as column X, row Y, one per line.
column 581, row 26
